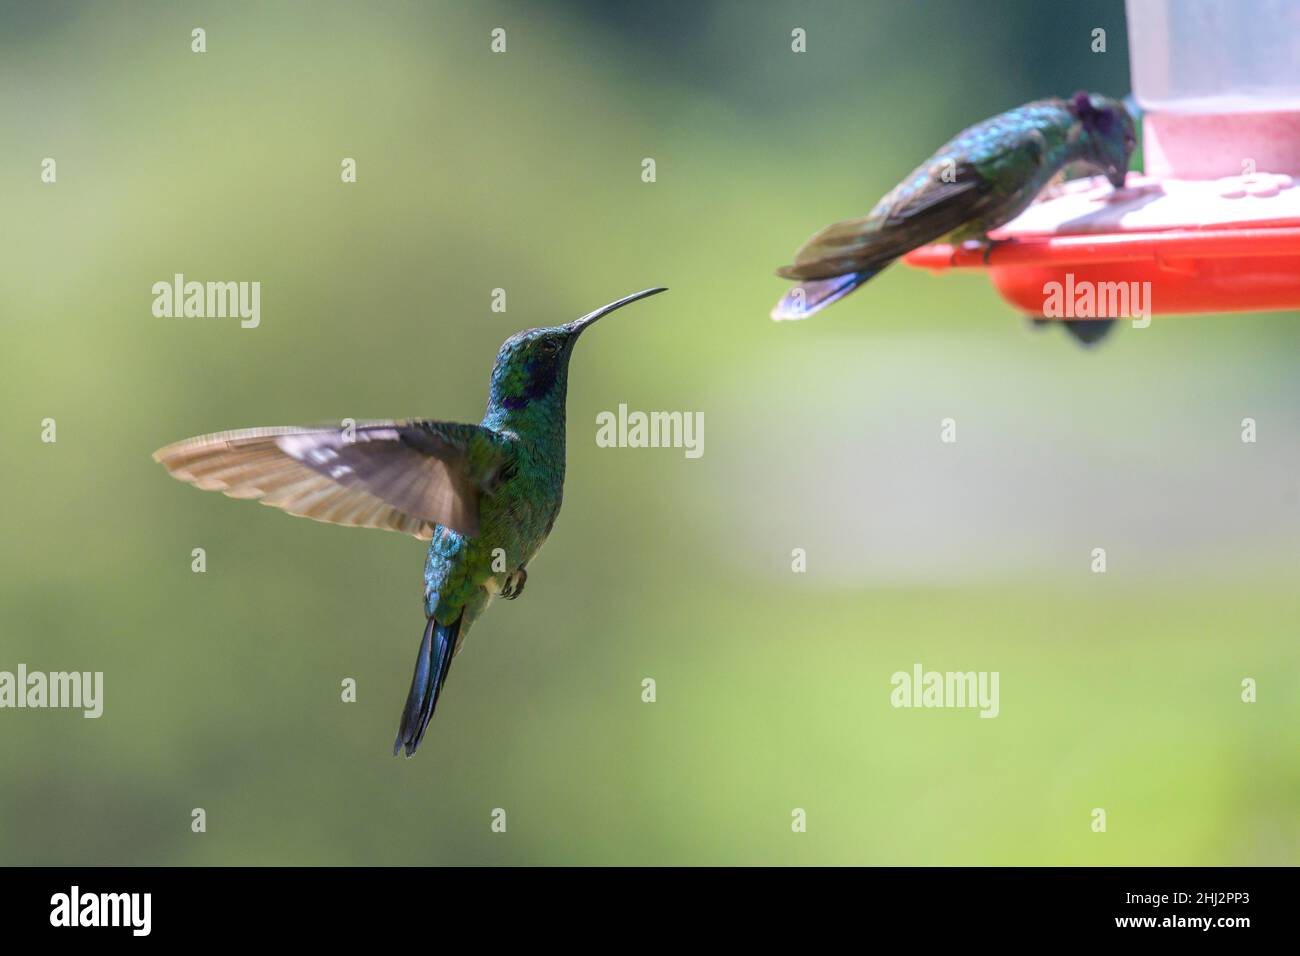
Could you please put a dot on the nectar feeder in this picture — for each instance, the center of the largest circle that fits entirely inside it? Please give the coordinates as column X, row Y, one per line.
column 1214, row 223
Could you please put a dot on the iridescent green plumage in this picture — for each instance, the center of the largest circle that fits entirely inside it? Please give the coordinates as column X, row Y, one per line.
column 982, row 178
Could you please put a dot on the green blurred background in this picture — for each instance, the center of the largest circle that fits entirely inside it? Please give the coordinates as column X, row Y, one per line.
column 522, row 171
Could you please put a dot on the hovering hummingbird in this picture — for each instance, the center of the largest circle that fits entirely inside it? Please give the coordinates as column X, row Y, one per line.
column 485, row 496
column 982, row 178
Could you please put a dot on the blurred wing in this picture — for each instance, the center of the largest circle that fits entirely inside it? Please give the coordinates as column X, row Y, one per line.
column 401, row 476
column 948, row 197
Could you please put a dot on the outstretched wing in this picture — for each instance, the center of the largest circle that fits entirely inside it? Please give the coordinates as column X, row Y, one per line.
column 930, row 204
column 402, row 476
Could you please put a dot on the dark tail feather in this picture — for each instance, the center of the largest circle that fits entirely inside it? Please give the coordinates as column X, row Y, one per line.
column 812, row 295
column 431, row 668
column 1089, row 331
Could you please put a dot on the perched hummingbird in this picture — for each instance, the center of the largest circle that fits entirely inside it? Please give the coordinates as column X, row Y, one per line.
column 485, row 496
column 982, row 178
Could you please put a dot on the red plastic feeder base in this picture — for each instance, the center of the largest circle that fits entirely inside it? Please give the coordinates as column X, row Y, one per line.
column 1209, row 270
column 1227, row 245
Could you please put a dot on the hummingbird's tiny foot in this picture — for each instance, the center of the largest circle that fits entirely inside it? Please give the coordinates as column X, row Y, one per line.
column 991, row 244
column 514, row 585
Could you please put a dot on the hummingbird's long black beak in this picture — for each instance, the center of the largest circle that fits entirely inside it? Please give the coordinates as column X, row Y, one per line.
column 579, row 324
